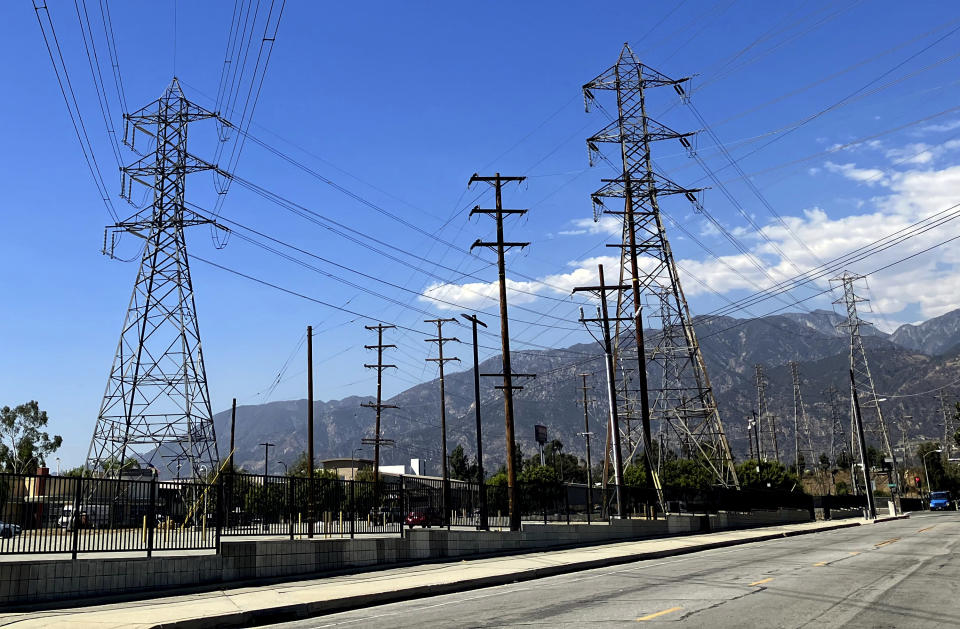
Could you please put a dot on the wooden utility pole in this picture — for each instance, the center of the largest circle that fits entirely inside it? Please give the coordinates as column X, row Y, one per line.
column 310, row 430
column 441, row 361
column 378, row 406
column 500, row 246
column 586, row 434
column 483, row 525
column 266, row 461
column 614, row 428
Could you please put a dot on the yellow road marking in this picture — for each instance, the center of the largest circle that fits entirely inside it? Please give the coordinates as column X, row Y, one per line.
column 885, row 542
column 926, row 529
column 854, row 553
column 821, row 563
column 661, row 613
column 762, row 581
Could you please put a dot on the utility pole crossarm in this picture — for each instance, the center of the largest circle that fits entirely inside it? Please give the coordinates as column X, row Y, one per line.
column 441, row 340
column 500, row 246
column 379, row 405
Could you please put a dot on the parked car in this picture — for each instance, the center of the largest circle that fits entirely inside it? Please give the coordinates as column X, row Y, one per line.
column 7, row 530
column 424, row 517
column 940, row 500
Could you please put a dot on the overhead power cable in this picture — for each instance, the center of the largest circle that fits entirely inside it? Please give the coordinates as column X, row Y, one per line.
column 70, row 99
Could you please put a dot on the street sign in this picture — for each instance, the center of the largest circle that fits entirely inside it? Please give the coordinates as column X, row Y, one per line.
column 540, row 434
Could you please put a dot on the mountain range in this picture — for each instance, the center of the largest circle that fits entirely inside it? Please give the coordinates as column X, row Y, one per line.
column 908, row 366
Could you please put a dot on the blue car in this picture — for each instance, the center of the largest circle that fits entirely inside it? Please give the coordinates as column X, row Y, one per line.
column 939, row 500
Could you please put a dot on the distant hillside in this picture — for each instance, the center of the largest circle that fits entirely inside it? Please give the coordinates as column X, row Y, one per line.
column 903, row 363
column 930, row 337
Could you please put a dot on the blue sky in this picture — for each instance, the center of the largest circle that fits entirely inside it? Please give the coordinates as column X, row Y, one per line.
column 844, row 113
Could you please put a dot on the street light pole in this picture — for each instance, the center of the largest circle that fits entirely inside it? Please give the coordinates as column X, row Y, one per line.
column 926, row 474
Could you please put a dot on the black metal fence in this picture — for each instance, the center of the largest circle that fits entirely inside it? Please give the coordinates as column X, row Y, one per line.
column 55, row 514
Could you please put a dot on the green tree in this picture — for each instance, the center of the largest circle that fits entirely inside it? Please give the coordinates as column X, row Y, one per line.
column 24, row 444
column 543, row 474
column 843, row 460
column 459, row 466
column 956, row 422
column 299, row 468
column 634, row 476
column 938, row 478
column 499, row 479
column 874, row 457
column 824, row 463
column 685, row 474
column 802, row 465
column 771, row 475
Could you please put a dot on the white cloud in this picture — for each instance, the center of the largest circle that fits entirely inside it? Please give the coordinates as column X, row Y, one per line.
column 608, row 225
column 478, row 294
column 941, row 127
column 930, row 282
column 868, row 176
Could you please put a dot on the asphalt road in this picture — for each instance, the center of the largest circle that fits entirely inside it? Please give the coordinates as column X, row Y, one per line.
column 895, row 574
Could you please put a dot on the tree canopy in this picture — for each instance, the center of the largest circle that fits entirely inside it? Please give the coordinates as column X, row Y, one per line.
column 24, row 444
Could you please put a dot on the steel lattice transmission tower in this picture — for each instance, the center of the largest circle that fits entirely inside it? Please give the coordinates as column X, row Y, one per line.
column 801, row 424
column 838, row 437
column 869, row 400
column 156, row 401
column 768, row 444
column 683, row 400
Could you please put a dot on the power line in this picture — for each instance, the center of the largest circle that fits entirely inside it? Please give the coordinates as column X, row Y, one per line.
column 73, row 108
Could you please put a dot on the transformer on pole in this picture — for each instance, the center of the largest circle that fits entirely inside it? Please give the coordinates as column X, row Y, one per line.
column 156, row 400
column 681, row 400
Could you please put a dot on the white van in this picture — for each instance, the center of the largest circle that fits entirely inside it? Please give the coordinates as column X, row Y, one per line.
column 91, row 516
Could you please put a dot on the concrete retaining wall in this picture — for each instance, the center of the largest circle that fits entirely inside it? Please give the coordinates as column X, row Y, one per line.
column 251, row 560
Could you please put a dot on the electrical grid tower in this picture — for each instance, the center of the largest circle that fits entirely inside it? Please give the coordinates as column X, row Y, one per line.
column 862, row 379
column 156, row 401
column 838, row 438
column 767, row 443
column 949, row 424
column 801, row 424
column 680, row 400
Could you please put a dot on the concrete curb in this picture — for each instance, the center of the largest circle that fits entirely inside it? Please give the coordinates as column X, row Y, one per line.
column 905, row 516
column 300, row 611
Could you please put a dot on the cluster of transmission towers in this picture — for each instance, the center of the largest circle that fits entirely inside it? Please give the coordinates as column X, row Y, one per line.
column 658, row 390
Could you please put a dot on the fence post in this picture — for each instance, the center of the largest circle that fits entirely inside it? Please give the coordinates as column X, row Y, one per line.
column 544, row 503
column 76, row 516
column 218, row 514
column 353, row 507
column 400, row 505
column 152, row 515
column 566, row 501
column 290, row 494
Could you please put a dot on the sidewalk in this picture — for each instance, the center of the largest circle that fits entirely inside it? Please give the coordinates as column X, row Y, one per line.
column 243, row 606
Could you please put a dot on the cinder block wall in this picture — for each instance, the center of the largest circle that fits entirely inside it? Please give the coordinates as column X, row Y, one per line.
column 248, row 560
